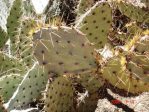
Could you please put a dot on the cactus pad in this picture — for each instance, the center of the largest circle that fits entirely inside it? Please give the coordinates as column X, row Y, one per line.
column 97, row 23
column 142, row 47
column 137, row 71
column 30, row 88
column 3, row 37
column 28, row 26
column 91, row 81
column 138, row 66
column 8, row 85
column 13, row 20
column 10, row 65
column 60, row 96
column 63, row 50
column 133, row 12
column 23, row 48
column 117, row 74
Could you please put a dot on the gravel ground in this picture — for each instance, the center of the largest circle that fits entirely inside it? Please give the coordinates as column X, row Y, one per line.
column 139, row 103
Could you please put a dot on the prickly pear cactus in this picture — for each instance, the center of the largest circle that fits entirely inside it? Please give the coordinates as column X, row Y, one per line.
column 116, row 73
column 59, row 96
column 137, row 71
column 69, row 48
column 32, row 85
column 55, row 67
column 141, row 47
column 133, row 12
column 13, row 20
column 10, row 65
column 96, row 24
column 24, row 45
column 3, row 38
column 90, row 80
column 13, row 24
column 9, row 84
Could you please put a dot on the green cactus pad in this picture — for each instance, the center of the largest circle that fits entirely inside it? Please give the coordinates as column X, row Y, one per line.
column 13, row 21
column 142, row 47
column 25, row 41
column 30, row 88
column 134, row 12
column 27, row 55
column 60, row 96
column 91, row 81
column 84, row 5
column 140, row 59
column 117, row 74
column 13, row 24
column 3, row 38
column 23, row 48
column 89, row 104
column 10, row 65
column 8, row 85
column 28, row 26
column 63, row 50
column 96, row 24
column 138, row 66
column 137, row 71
